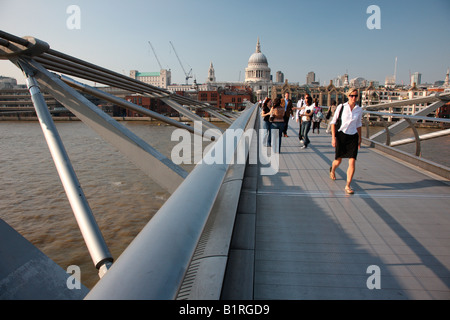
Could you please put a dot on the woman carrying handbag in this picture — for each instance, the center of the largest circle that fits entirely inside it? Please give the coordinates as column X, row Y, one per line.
column 346, row 136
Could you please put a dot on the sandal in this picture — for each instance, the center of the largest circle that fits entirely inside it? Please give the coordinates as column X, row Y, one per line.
column 332, row 175
column 349, row 190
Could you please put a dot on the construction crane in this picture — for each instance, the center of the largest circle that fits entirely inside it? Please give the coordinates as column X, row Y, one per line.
column 160, row 67
column 187, row 74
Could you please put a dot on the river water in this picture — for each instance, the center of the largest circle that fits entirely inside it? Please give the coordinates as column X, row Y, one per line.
column 122, row 199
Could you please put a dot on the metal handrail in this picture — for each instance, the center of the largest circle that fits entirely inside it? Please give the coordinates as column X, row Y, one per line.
column 410, row 119
column 149, row 270
column 435, row 97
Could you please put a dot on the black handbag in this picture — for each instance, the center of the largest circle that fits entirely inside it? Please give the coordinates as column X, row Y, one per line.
column 338, row 123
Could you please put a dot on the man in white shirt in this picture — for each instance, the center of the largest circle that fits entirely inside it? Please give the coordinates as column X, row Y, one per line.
column 347, row 137
column 300, row 104
column 306, row 114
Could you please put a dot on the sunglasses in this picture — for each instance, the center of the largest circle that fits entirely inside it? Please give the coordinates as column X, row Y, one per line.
column 353, row 96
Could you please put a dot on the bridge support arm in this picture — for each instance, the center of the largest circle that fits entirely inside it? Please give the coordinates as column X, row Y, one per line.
column 157, row 166
column 187, row 113
column 91, row 233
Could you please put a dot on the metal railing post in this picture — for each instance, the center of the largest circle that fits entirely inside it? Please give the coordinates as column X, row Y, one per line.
column 416, row 136
column 91, row 233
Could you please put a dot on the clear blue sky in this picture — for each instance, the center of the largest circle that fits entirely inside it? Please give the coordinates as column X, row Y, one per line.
column 329, row 37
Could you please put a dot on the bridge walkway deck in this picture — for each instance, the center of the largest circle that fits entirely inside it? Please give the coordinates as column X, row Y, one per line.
column 300, row 236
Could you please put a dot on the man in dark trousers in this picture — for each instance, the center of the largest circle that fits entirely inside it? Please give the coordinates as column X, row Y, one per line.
column 287, row 104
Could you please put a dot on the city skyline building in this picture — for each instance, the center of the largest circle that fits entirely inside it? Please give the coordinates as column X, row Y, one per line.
column 310, row 78
column 211, row 73
column 416, row 78
column 257, row 73
column 279, row 77
column 161, row 79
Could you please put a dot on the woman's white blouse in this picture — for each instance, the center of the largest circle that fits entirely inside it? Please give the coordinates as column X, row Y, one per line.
column 351, row 119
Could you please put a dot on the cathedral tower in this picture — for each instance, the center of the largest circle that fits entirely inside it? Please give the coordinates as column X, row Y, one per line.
column 211, row 74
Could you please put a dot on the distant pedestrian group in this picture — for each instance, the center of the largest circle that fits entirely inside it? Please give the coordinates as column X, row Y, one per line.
column 273, row 114
column 344, row 123
column 276, row 116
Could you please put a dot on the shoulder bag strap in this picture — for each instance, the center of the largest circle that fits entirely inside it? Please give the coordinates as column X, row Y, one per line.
column 339, row 119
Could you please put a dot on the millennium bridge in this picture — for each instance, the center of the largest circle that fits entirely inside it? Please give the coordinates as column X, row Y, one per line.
column 265, row 226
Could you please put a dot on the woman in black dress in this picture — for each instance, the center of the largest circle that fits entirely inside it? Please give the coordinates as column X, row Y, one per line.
column 346, row 136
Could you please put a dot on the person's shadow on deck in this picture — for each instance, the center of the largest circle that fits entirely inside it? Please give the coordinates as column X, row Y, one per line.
column 420, row 184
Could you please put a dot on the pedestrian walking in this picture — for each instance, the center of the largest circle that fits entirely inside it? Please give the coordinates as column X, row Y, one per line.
column 265, row 113
column 346, row 136
column 287, row 104
column 277, row 119
column 298, row 118
column 317, row 116
column 306, row 114
column 330, row 115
